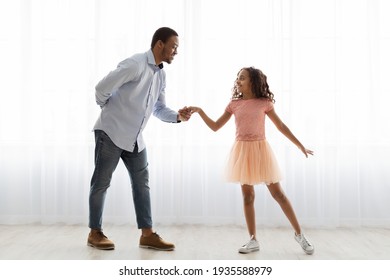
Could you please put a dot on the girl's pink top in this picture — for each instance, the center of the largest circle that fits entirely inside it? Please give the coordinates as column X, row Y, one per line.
column 250, row 117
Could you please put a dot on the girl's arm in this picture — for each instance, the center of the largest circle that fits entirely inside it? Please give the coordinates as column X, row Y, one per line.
column 214, row 125
column 286, row 132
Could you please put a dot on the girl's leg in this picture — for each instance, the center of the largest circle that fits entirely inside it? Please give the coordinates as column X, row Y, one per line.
column 248, row 194
column 278, row 194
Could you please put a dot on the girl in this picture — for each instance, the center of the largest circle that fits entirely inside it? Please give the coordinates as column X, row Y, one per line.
column 251, row 159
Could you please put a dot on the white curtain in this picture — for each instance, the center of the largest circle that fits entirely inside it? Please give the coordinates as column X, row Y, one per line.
column 327, row 62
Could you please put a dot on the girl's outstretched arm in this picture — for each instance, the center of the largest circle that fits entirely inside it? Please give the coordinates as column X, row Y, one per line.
column 214, row 125
column 286, row 132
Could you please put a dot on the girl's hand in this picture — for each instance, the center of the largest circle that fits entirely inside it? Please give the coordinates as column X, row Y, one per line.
column 307, row 152
column 194, row 109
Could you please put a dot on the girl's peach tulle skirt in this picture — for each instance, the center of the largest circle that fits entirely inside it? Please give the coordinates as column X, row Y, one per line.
column 252, row 163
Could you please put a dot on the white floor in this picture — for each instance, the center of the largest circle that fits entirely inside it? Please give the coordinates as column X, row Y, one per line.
column 193, row 242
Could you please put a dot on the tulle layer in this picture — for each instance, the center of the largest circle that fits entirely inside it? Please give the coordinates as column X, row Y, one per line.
column 252, row 163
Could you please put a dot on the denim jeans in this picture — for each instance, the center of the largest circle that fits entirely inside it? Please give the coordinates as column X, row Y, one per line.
column 107, row 156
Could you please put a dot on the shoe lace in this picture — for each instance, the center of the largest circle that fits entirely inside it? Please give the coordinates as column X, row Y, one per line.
column 101, row 234
column 305, row 242
column 249, row 242
column 157, row 235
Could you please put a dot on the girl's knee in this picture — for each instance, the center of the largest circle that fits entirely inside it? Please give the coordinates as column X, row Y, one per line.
column 279, row 197
column 248, row 194
column 249, row 198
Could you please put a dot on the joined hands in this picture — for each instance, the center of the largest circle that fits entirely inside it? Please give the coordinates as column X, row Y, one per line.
column 184, row 114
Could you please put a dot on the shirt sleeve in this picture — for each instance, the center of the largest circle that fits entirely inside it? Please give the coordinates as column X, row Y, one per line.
column 269, row 106
column 126, row 71
column 160, row 109
column 229, row 108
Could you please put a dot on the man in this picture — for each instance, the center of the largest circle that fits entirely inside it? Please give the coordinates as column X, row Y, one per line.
column 128, row 96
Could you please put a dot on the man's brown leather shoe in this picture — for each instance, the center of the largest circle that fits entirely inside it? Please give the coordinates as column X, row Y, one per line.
column 98, row 240
column 154, row 241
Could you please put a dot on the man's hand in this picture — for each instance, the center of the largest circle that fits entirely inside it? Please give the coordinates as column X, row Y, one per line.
column 184, row 114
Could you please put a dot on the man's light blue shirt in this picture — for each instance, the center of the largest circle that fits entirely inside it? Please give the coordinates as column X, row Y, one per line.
column 128, row 96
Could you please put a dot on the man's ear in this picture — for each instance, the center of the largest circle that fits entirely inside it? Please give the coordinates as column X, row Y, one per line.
column 160, row 44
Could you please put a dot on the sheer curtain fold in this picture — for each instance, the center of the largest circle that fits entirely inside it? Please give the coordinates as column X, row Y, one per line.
column 327, row 63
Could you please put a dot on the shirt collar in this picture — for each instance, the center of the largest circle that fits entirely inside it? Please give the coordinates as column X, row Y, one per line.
column 152, row 61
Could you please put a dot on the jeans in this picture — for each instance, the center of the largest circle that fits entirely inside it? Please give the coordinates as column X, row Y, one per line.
column 107, row 156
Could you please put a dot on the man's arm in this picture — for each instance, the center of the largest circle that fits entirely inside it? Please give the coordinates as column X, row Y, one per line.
column 126, row 71
column 164, row 113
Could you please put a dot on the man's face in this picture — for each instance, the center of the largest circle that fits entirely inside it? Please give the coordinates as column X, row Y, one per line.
column 170, row 49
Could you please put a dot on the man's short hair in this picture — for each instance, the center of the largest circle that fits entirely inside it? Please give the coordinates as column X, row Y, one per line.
column 163, row 34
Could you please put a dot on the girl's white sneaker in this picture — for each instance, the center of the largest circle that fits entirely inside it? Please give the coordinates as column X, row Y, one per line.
column 251, row 246
column 305, row 244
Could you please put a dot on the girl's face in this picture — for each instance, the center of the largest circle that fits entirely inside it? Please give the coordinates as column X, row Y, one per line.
column 244, row 84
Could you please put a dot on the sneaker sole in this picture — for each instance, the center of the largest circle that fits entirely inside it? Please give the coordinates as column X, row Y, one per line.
column 249, row 251
column 101, row 248
column 156, row 248
column 309, row 252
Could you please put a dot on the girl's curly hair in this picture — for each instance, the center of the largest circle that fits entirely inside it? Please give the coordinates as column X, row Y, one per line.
column 259, row 85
